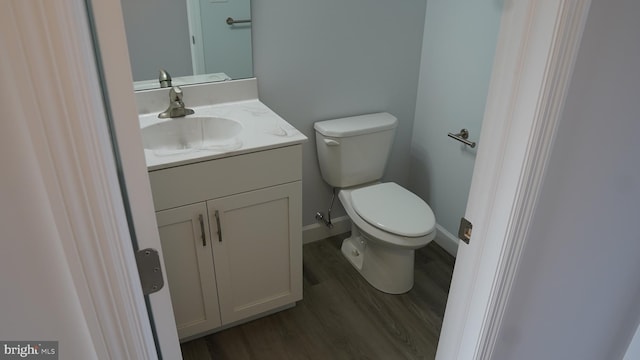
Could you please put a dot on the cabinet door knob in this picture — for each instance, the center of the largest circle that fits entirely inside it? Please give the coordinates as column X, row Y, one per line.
column 204, row 238
column 217, row 215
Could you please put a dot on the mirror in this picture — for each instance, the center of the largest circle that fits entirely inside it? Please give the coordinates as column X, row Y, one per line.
column 193, row 40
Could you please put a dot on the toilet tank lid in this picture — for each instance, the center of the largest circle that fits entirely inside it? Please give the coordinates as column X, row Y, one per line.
column 356, row 125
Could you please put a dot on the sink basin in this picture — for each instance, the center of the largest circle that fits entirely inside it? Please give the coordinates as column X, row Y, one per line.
column 181, row 135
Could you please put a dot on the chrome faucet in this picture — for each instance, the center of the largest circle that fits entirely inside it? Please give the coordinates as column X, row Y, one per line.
column 176, row 106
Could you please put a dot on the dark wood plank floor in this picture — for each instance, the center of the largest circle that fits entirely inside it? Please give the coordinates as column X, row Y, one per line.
column 342, row 316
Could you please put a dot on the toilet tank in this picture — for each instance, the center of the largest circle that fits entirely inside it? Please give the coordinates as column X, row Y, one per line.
column 354, row 150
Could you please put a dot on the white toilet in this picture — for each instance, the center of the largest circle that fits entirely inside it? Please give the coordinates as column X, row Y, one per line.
column 388, row 221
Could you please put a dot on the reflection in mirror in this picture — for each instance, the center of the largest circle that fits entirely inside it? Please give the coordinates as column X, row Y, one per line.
column 190, row 39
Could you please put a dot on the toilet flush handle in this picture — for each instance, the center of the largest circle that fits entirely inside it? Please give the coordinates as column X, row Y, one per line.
column 331, row 142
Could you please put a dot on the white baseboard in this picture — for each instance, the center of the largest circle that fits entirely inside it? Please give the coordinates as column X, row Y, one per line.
column 446, row 240
column 315, row 232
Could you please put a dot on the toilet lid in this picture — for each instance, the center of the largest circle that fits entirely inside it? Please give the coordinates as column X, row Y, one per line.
column 394, row 209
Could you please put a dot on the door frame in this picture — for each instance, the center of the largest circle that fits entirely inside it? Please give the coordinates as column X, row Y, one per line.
column 536, row 49
column 537, row 46
column 195, row 32
column 112, row 51
column 55, row 93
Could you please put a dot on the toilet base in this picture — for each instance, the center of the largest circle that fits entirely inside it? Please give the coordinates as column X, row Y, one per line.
column 353, row 250
column 386, row 268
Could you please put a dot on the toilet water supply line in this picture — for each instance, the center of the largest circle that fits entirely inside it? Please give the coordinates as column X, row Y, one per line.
column 320, row 216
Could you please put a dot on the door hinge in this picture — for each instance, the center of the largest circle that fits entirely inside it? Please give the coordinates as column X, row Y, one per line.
column 149, row 269
column 464, row 231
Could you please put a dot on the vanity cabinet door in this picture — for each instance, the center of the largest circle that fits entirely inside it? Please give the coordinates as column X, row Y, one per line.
column 186, row 244
column 257, row 249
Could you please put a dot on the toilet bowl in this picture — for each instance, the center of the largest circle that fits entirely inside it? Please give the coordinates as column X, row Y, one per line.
column 388, row 221
column 388, row 224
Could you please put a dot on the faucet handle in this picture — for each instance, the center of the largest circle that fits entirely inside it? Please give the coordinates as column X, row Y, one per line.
column 175, row 94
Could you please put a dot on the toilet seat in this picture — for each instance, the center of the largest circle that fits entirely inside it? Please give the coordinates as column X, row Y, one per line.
column 393, row 209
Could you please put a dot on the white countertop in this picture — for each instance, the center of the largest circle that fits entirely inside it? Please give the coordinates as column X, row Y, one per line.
column 262, row 129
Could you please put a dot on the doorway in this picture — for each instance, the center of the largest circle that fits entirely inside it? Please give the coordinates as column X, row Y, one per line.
column 493, row 148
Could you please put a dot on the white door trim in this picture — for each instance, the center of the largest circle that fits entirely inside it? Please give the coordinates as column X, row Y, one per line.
column 117, row 82
column 56, row 90
column 536, row 51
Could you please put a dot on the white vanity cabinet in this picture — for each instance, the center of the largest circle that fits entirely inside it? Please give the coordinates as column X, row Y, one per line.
column 231, row 233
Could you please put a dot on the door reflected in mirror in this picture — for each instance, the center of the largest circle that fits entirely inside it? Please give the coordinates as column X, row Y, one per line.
column 190, row 39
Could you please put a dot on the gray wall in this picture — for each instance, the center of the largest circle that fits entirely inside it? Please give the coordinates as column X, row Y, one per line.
column 158, row 37
column 577, row 294
column 317, row 60
column 459, row 44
